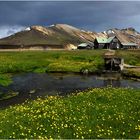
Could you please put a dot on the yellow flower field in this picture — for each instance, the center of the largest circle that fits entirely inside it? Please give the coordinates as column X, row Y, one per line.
column 95, row 113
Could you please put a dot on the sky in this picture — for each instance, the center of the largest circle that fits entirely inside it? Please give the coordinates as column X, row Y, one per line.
column 88, row 15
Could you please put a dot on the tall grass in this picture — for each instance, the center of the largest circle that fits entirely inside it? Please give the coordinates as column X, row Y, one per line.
column 131, row 57
column 72, row 61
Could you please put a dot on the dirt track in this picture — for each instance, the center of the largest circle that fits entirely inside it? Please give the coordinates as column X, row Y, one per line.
column 15, row 50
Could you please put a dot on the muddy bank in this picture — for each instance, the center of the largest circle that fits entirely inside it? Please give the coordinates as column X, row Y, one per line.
column 132, row 73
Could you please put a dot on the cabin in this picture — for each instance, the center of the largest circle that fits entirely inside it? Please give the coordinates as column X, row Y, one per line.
column 85, row 46
column 113, row 43
column 107, row 43
column 100, row 43
column 129, row 46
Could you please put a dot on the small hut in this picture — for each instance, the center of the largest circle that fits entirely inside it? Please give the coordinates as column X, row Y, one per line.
column 85, row 46
column 112, row 62
column 129, row 46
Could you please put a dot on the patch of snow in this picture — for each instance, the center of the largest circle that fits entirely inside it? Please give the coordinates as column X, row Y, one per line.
column 105, row 32
column 28, row 29
column 136, row 33
column 66, row 26
column 52, row 25
column 109, row 31
column 89, row 32
column 113, row 32
column 83, row 30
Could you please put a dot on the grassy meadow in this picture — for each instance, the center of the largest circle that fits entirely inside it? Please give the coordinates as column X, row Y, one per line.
column 95, row 113
column 48, row 61
column 61, row 61
column 131, row 57
column 65, row 61
column 71, row 61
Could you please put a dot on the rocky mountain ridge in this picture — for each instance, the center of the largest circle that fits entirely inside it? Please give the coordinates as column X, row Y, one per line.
column 63, row 34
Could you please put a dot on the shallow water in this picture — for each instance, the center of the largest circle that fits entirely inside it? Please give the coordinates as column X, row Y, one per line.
column 32, row 85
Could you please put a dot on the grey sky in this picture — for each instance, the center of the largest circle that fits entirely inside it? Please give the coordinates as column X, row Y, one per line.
column 92, row 15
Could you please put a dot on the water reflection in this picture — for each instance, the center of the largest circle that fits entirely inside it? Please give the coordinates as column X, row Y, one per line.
column 111, row 82
column 32, row 85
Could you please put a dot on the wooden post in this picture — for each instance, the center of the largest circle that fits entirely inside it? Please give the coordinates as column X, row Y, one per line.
column 111, row 64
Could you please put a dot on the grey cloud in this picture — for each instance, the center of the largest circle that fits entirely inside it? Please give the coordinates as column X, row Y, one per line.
column 91, row 15
column 9, row 30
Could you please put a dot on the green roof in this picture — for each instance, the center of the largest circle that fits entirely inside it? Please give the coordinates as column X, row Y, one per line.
column 101, row 40
column 129, row 44
column 104, row 40
column 110, row 39
column 82, row 45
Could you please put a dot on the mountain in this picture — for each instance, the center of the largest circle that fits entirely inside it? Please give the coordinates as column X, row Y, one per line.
column 60, row 35
column 125, row 35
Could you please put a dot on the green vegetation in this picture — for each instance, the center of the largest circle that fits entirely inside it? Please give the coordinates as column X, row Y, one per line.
column 132, row 72
column 68, row 61
column 41, row 61
column 10, row 94
column 95, row 113
column 48, row 61
column 5, row 79
column 60, row 61
column 131, row 57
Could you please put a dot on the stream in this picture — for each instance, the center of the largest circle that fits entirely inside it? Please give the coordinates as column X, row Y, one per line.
column 33, row 85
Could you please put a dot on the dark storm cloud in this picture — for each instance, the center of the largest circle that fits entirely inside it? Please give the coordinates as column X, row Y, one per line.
column 95, row 16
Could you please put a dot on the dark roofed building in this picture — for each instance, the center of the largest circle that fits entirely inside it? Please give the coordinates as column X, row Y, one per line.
column 129, row 46
column 113, row 43
column 100, row 43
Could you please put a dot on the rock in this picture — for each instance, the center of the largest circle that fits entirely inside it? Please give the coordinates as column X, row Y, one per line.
column 85, row 71
column 32, row 91
column 71, row 47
